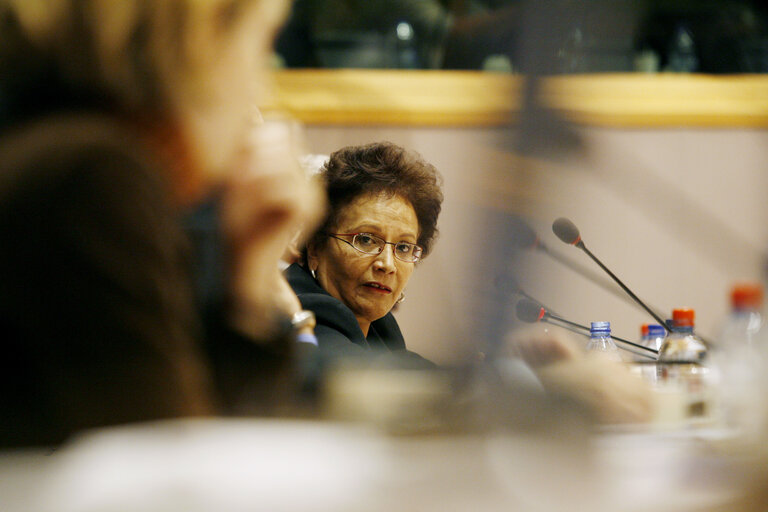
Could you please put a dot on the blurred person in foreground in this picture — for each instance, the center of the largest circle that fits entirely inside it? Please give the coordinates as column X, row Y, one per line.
column 117, row 118
column 384, row 202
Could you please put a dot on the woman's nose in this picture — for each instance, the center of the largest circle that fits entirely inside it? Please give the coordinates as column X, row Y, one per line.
column 385, row 260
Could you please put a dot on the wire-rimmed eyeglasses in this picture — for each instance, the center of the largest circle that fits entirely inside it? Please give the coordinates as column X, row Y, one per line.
column 367, row 243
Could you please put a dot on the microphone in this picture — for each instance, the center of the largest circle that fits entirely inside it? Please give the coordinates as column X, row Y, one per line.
column 567, row 231
column 508, row 284
column 531, row 316
column 523, row 236
column 526, row 238
column 532, row 312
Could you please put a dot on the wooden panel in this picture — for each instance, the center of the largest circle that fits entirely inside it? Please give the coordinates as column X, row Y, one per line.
column 466, row 98
column 430, row 98
column 640, row 100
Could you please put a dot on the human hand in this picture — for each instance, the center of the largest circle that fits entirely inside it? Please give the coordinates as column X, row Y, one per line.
column 603, row 386
column 538, row 345
column 265, row 202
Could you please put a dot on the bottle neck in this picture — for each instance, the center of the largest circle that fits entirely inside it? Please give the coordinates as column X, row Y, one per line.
column 744, row 310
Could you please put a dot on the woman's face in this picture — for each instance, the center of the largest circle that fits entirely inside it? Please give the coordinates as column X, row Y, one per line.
column 369, row 284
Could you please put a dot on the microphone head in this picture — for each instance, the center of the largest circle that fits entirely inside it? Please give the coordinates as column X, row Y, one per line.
column 522, row 235
column 530, row 311
column 566, row 231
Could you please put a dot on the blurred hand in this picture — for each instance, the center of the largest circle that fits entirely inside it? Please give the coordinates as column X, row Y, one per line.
column 605, row 387
column 292, row 253
column 265, row 202
column 538, row 345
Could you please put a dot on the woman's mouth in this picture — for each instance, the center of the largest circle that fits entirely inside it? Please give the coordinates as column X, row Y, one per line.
column 378, row 287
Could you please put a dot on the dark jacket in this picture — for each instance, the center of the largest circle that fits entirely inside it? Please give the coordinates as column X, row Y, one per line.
column 338, row 331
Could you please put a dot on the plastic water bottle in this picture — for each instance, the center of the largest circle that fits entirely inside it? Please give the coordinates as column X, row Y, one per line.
column 680, row 367
column 644, row 341
column 656, row 336
column 645, row 366
column 682, row 345
column 744, row 323
column 600, row 340
column 741, row 359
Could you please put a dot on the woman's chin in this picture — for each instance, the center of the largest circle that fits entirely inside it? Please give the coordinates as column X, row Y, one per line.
column 376, row 311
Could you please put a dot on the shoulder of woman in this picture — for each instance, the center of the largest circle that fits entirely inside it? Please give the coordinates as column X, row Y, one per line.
column 328, row 310
column 331, row 312
column 388, row 330
column 300, row 280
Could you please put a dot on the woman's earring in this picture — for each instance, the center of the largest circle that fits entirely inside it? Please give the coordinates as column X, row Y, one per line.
column 401, row 299
column 314, row 274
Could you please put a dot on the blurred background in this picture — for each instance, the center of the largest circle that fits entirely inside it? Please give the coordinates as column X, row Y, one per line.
column 641, row 121
column 710, row 36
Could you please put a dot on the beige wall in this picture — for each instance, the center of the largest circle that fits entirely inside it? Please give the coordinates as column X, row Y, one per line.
column 676, row 213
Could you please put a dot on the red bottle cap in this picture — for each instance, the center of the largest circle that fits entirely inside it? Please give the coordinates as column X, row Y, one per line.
column 747, row 296
column 644, row 330
column 683, row 317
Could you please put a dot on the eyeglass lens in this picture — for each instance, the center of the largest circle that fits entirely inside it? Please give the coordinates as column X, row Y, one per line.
column 374, row 245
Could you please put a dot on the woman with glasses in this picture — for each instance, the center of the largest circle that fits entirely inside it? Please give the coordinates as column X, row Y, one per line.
column 383, row 207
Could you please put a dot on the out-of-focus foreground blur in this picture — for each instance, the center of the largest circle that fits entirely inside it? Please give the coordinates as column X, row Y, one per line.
column 628, row 118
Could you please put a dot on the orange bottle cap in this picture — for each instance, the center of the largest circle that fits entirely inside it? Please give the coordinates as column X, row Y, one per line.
column 747, row 296
column 683, row 317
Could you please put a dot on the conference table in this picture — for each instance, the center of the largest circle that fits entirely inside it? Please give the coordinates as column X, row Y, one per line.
column 553, row 461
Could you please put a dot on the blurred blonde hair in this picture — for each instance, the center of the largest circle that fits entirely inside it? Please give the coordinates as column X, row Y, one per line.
column 146, row 54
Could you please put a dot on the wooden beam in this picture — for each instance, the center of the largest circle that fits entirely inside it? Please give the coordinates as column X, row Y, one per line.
column 467, row 98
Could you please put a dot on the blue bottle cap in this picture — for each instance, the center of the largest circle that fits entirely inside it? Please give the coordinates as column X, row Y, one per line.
column 656, row 331
column 600, row 329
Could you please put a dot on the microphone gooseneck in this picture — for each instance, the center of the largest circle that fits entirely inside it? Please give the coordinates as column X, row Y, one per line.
column 567, row 327
column 506, row 283
column 526, row 238
column 569, row 233
column 586, row 273
column 530, row 311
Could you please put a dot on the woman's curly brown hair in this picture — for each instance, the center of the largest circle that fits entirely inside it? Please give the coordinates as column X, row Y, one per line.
column 382, row 168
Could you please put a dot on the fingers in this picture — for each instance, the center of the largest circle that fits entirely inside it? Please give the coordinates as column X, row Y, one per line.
column 268, row 195
column 292, row 254
column 605, row 387
column 265, row 202
column 539, row 346
column 285, row 298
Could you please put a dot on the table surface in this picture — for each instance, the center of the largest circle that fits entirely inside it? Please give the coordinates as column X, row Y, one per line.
column 291, row 465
